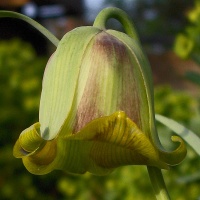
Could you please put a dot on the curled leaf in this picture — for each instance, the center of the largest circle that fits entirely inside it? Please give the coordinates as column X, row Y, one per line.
column 40, row 28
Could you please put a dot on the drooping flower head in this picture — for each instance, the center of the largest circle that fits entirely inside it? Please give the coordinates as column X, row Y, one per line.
column 96, row 108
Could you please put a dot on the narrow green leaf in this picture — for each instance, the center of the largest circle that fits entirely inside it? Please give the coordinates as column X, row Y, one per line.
column 191, row 138
column 39, row 27
column 189, row 178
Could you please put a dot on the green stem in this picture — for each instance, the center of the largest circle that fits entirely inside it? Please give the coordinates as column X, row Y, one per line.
column 35, row 24
column 121, row 16
column 158, row 183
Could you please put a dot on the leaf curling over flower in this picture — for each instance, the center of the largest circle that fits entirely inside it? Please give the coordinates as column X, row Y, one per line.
column 96, row 108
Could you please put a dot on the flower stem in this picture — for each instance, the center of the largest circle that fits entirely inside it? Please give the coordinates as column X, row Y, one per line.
column 121, row 16
column 158, row 183
column 32, row 22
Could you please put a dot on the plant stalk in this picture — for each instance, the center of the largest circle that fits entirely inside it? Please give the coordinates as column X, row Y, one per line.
column 121, row 16
column 158, row 183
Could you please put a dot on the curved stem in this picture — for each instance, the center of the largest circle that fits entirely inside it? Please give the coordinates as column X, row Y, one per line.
column 158, row 183
column 121, row 16
column 35, row 24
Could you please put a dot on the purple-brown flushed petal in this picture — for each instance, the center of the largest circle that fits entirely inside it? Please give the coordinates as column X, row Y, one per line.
column 111, row 82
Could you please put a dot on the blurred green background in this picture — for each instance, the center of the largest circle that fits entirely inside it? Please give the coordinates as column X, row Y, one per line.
column 21, row 71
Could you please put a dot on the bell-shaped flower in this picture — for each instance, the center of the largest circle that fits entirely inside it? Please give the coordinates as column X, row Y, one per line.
column 96, row 108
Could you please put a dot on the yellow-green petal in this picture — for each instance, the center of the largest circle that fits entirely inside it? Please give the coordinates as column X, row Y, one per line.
column 34, row 150
column 60, row 80
column 29, row 141
column 101, row 146
column 118, row 141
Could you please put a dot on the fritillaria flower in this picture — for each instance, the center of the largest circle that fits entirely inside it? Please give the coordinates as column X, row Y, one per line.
column 96, row 109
